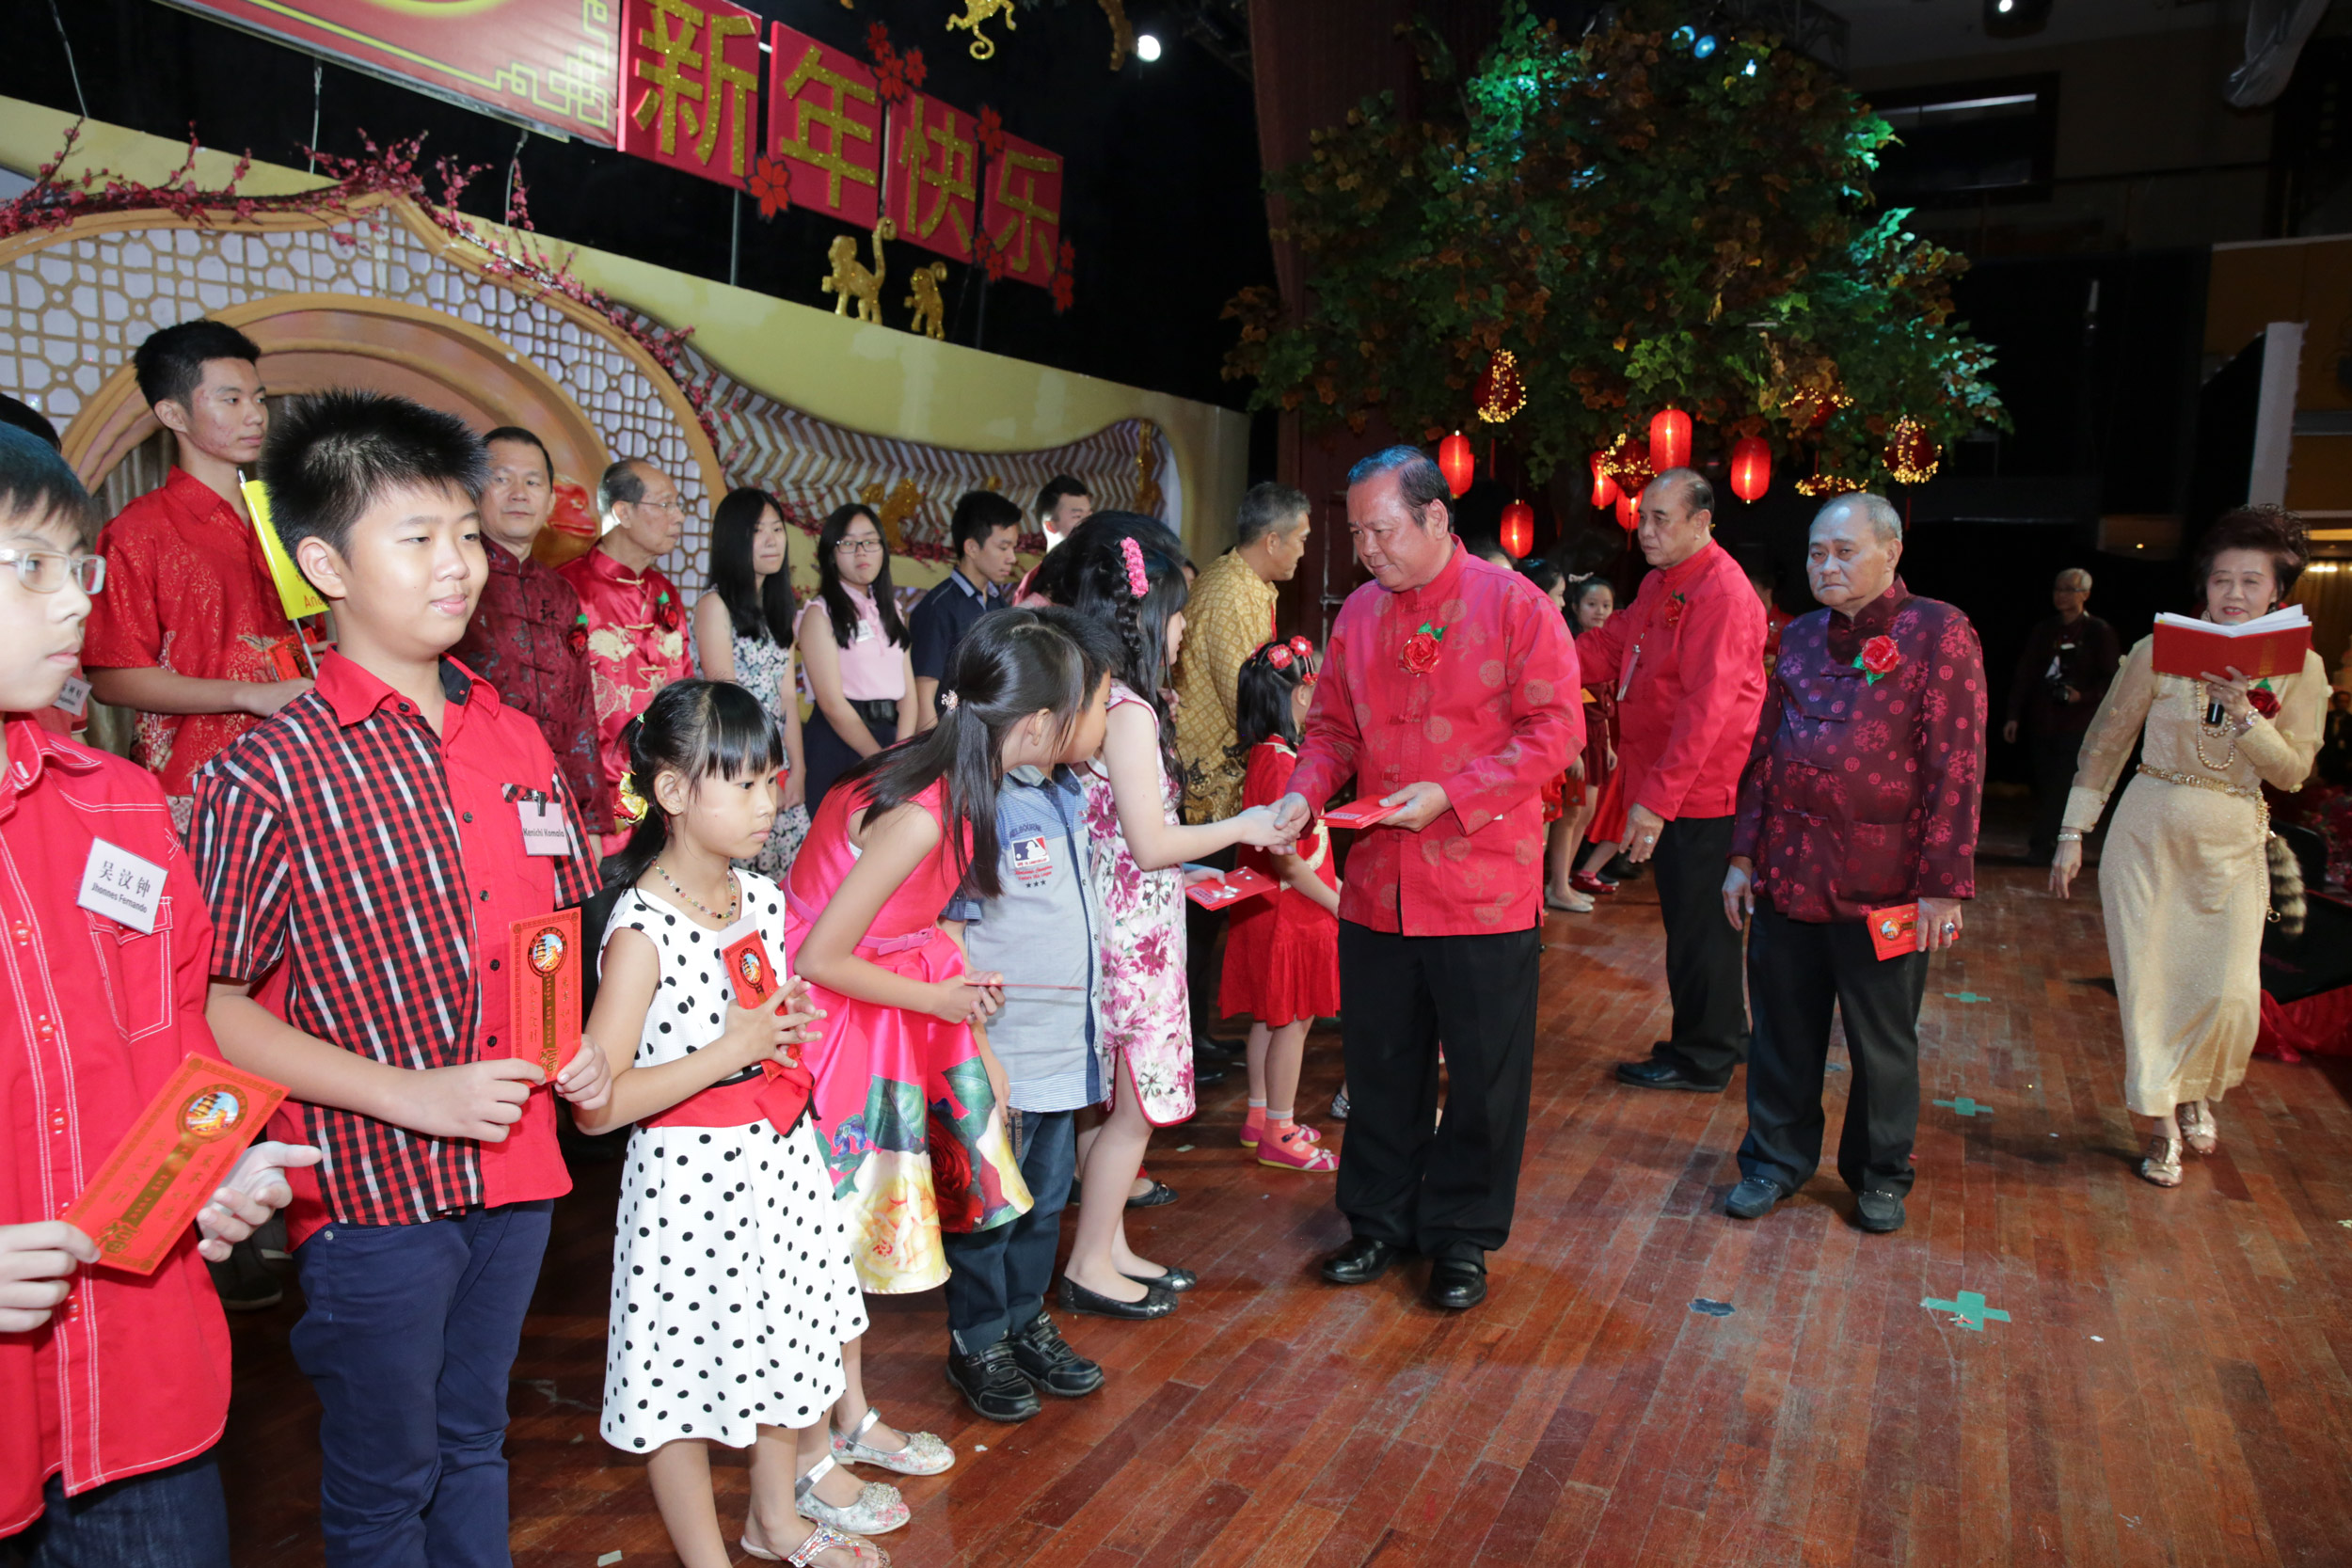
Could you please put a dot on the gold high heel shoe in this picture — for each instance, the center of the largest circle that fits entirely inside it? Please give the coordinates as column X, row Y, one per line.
column 2198, row 1130
column 2161, row 1164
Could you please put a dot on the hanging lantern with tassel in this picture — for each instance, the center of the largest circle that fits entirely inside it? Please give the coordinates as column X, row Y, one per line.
column 1518, row 529
column 1910, row 457
column 1628, row 512
column 1750, row 468
column 1669, row 441
column 1502, row 391
column 1604, row 486
column 1457, row 462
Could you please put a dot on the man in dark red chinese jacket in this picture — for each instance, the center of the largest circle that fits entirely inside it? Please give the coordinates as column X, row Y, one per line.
column 1448, row 689
column 1687, row 660
column 529, row 637
column 1860, row 794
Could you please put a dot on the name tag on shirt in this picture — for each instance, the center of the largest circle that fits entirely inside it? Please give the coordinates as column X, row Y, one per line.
column 74, row 699
column 121, row 886
column 865, row 632
column 543, row 833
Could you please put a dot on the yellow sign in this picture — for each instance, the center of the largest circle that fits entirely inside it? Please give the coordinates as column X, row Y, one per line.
column 293, row 590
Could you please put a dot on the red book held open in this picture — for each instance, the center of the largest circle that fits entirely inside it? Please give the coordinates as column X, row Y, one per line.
column 2272, row 644
column 1360, row 814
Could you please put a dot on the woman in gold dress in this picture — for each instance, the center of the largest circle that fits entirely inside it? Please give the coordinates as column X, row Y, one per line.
column 2185, row 879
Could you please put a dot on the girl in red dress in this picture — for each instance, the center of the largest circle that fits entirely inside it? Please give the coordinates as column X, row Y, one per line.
column 1281, row 949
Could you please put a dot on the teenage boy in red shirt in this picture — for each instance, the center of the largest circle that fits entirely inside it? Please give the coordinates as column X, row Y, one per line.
column 190, row 634
column 113, row 1387
column 364, row 853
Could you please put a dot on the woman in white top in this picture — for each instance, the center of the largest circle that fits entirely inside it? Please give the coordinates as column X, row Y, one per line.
column 743, row 633
column 858, row 653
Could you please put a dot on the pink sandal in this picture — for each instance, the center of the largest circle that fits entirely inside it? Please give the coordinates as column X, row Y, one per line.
column 1297, row 1149
column 1253, row 1127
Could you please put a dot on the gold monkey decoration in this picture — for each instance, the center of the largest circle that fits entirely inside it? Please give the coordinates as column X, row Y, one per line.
column 975, row 12
column 849, row 280
column 930, row 311
column 1122, row 32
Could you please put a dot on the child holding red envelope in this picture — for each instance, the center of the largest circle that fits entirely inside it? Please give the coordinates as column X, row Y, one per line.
column 728, row 1250
column 1282, row 950
column 114, row 1379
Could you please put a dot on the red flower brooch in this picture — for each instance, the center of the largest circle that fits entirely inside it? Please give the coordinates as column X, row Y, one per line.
column 1878, row 660
column 2264, row 701
column 665, row 611
column 1421, row 649
column 577, row 637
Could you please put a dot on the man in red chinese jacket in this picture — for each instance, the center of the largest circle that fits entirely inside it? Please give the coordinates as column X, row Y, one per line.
column 1687, row 657
column 1448, row 691
column 529, row 637
column 635, row 630
column 1859, row 800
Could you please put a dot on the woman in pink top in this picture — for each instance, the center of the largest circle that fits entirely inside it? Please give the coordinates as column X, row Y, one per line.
column 858, row 653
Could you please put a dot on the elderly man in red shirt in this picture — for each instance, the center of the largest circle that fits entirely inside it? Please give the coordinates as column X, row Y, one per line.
column 1448, row 691
column 1687, row 660
column 1859, row 802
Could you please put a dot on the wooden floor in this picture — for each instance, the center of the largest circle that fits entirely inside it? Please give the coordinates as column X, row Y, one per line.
column 2159, row 1378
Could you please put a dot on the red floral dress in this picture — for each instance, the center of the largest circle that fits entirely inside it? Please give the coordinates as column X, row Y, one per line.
column 1283, row 949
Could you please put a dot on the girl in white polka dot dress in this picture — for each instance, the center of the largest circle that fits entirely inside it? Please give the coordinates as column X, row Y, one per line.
column 731, row 1291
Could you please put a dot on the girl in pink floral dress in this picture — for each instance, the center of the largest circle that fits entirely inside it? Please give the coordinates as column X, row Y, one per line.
column 1130, row 575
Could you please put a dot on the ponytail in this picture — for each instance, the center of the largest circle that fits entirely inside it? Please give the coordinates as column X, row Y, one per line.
column 697, row 730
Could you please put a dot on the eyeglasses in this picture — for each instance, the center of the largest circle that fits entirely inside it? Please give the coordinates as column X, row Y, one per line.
column 860, row 547
column 46, row 571
column 671, row 504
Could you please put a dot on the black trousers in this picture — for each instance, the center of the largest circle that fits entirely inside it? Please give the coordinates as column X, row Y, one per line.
column 1797, row 970
column 1710, row 1025
column 1446, row 1189
column 2054, row 760
column 1203, row 972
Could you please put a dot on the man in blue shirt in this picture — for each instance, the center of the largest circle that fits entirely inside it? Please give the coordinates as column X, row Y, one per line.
column 987, row 534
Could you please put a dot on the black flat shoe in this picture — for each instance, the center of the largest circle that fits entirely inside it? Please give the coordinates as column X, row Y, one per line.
column 1178, row 1280
column 991, row 1383
column 1880, row 1213
column 1360, row 1261
column 1752, row 1199
column 1156, row 1303
column 1161, row 1192
column 1456, row 1284
column 1657, row 1073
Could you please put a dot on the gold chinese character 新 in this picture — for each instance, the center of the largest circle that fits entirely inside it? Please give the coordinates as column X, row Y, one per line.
column 673, row 93
column 809, row 112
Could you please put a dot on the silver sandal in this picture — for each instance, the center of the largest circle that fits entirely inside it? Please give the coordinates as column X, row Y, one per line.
column 821, row 1537
column 923, row 1455
column 879, row 1509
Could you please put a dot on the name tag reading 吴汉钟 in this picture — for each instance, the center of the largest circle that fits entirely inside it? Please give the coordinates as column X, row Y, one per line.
column 121, row 885
column 543, row 833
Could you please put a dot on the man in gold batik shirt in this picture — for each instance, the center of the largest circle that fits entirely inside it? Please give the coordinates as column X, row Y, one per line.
column 1229, row 616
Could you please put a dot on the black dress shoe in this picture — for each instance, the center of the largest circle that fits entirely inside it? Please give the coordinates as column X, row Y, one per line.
column 1047, row 1359
column 1156, row 1303
column 1205, row 1072
column 1178, row 1280
column 991, row 1383
column 1220, row 1051
column 1360, row 1261
column 1658, row 1073
column 1880, row 1213
column 1456, row 1284
column 1752, row 1199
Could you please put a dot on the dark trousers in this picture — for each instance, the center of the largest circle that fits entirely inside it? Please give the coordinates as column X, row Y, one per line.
column 1445, row 1188
column 409, row 1335
column 169, row 1518
column 1710, row 1021
column 825, row 756
column 1797, row 970
column 998, row 1286
column 2054, row 760
column 1203, row 971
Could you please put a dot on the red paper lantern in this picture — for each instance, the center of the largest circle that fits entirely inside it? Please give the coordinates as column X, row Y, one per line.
column 1457, row 462
column 1604, row 487
column 1629, row 513
column 1669, row 441
column 1750, row 468
column 1518, row 529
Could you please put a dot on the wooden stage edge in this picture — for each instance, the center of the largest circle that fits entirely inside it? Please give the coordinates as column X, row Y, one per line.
column 2168, row 1385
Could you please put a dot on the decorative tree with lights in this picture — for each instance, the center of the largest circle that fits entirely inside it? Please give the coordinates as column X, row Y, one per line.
column 1645, row 218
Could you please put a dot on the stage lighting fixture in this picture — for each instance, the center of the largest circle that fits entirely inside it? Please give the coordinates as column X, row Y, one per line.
column 2015, row 19
column 1148, row 45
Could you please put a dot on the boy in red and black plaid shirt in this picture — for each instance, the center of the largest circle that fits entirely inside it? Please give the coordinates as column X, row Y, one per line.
column 364, row 852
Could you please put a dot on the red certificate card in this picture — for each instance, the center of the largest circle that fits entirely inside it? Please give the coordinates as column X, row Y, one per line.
column 543, row 954
column 1359, row 814
column 1236, row 886
column 1893, row 930
column 170, row 1162
column 749, row 971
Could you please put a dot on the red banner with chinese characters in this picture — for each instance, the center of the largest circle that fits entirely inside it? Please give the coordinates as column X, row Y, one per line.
column 551, row 62
column 1022, row 213
column 824, row 125
column 934, row 175
column 689, row 86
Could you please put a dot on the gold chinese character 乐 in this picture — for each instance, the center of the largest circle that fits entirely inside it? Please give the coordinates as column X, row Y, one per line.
column 1024, row 208
column 808, row 111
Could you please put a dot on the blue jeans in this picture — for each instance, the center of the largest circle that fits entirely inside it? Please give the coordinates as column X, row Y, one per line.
column 409, row 1336
column 168, row 1518
column 998, row 1284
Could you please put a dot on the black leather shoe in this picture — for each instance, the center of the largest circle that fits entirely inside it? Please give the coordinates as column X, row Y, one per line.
column 991, row 1383
column 1880, row 1213
column 1360, row 1261
column 1047, row 1359
column 1456, row 1284
column 1219, row 1051
column 1156, row 1303
column 1161, row 1192
column 1205, row 1072
column 1752, row 1199
column 1658, row 1073
column 1178, row 1280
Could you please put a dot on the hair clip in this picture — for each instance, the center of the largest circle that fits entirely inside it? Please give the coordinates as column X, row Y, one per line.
column 631, row 810
column 948, row 700
column 1303, row 648
column 1137, row 582
column 1278, row 655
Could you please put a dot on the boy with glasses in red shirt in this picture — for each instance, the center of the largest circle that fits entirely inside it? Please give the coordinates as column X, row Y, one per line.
column 365, row 853
column 113, row 1387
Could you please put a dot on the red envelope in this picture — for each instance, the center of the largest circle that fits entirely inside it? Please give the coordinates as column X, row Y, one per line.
column 168, row 1164
column 1236, row 886
column 1360, row 814
column 543, row 954
column 750, row 972
column 1893, row 930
